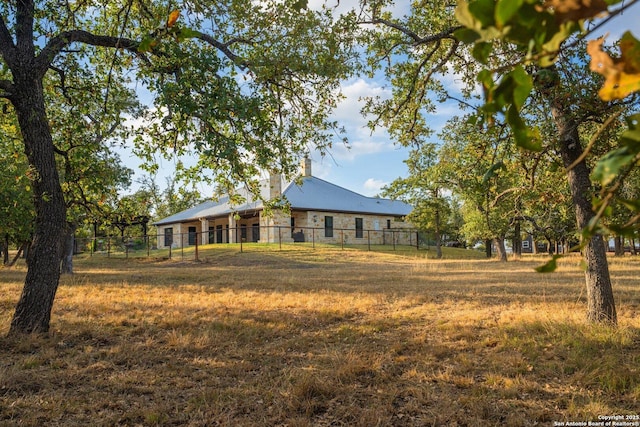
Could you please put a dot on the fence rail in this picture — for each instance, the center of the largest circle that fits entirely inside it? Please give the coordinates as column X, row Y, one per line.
column 189, row 245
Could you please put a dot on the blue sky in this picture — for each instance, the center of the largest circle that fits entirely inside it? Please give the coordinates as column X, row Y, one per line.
column 373, row 160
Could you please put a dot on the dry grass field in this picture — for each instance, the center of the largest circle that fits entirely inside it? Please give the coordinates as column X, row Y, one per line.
column 321, row 338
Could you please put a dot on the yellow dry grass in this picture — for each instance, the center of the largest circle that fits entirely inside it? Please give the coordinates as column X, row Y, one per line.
column 321, row 338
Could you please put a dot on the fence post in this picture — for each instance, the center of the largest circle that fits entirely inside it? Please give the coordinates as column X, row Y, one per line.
column 280, row 237
column 313, row 238
column 181, row 246
column 170, row 246
column 197, row 247
column 108, row 246
column 393, row 237
column 417, row 241
column 369, row 239
column 342, row 238
column 148, row 245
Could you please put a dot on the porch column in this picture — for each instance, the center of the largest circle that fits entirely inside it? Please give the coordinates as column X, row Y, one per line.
column 232, row 228
column 179, row 235
column 204, row 226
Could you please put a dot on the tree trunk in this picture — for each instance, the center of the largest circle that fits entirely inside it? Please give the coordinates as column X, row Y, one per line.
column 33, row 311
column 501, row 249
column 517, row 239
column 618, row 244
column 487, row 248
column 5, row 250
column 600, row 304
column 437, row 235
column 69, row 243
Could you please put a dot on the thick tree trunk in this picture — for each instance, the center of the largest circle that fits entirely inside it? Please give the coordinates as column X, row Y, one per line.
column 618, row 243
column 600, row 304
column 33, row 311
column 501, row 249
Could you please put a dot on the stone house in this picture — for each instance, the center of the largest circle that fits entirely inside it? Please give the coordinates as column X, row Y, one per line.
column 319, row 211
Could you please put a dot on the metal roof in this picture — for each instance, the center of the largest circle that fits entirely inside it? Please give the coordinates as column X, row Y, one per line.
column 311, row 194
column 316, row 194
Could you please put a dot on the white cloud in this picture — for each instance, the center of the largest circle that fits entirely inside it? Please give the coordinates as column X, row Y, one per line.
column 373, row 186
column 362, row 140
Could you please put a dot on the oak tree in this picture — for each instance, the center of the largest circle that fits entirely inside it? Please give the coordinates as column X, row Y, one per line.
column 246, row 85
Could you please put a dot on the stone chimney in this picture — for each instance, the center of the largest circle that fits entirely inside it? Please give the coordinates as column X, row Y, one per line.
column 275, row 185
column 306, row 167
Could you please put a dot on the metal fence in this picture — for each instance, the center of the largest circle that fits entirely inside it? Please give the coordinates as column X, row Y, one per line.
column 194, row 245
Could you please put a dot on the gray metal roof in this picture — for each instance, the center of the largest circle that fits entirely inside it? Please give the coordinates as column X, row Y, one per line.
column 317, row 194
column 311, row 194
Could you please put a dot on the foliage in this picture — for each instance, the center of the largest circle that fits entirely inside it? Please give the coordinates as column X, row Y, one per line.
column 16, row 205
column 541, row 33
column 247, row 86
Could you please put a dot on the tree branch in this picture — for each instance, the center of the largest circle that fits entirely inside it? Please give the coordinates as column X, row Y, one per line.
column 222, row 47
column 64, row 39
column 417, row 40
column 7, row 47
column 7, row 87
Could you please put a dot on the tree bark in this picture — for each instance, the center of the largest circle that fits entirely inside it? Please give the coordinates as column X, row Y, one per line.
column 5, row 250
column 618, row 243
column 501, row 249
column 487, row 248
column 600, row 302
column 66, row 266
column 33, row 311
column 437, row 235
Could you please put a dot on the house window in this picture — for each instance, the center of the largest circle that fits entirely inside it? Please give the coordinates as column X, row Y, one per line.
column 168, row 236
column 388, row 224
column 255, row 232
column 359, row 228
column 525, row 244
column 219, row 233
column 293, row 225
column 243, row 232
column 193, row 235
column 328, row 226
column 211, row 235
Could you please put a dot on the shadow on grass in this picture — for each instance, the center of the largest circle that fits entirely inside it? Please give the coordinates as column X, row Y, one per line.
column 299, row 366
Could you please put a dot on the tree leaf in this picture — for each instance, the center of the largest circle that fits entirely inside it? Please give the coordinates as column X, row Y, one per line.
column 575, row 10
column 302, row 4
column 550, row 266
column 466, row 35
column 525, row 137
column 481, row 51
column 505, row 9
column 622, row 75
column 492, row 172
column 173, row 17
column 610, row 165
column 523, row 86
column 147, row 44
